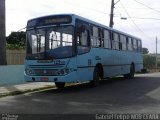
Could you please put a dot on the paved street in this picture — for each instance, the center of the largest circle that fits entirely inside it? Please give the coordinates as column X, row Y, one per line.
column 140, row 95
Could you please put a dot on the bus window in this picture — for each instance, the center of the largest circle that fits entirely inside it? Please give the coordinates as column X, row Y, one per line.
column 38, row 41
column 91, row 27
column 129, row 44
column 101, row 37
column 135, row 44
column 107, row 40
column 67, row 40
column 94, row 38
column 115, row 41
column 123, row 42
column 139, row 46
column 83, row 36
column 83, row 39
column 54, row 39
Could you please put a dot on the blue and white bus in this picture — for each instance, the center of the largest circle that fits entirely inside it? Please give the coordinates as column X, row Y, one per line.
column 68, row 48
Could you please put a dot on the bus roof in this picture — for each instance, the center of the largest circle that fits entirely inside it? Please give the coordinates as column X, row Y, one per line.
column 86, row 20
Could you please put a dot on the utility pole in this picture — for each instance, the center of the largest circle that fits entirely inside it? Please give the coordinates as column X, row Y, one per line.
column 111, row 14
column 111, row 23
column 2, row 34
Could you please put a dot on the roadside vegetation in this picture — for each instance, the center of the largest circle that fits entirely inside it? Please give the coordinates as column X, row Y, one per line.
column 149, row 61
column 16, row 41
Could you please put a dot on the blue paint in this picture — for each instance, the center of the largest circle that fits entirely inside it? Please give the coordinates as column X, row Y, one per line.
column 11, row 75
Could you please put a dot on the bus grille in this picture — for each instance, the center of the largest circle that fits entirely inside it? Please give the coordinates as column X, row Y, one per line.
column 45, row 72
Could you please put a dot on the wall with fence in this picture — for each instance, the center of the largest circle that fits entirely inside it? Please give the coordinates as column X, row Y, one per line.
column 15, row 57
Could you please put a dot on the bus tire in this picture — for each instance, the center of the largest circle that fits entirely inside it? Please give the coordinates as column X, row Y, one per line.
column 60, row 85
column 131, row 74
column 96, row 77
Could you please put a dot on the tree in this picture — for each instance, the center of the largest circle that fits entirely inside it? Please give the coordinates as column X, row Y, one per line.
column 3, row 60
column 145, row 50
column 16, row 40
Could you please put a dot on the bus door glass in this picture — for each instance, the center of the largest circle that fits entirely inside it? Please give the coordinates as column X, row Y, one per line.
column 83, row 47
column 83, row 38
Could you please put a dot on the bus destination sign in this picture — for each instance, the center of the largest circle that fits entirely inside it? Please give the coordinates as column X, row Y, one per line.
column 50, row 20
column 57, row 20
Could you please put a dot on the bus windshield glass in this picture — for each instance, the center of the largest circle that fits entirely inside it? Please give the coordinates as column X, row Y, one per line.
column 50, row 43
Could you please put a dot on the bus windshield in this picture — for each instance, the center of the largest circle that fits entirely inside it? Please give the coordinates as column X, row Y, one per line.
column 50, row 43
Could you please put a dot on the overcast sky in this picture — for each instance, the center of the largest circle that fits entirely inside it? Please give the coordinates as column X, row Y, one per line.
column 143, row 16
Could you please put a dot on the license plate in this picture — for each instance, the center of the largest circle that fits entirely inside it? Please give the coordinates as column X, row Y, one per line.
column 44, row 79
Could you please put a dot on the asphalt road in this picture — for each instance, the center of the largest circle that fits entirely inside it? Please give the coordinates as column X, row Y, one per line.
column 117, row 95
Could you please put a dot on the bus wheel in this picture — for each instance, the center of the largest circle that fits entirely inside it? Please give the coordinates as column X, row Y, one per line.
column 131, row 74
column 60, row 85
column 96, row 77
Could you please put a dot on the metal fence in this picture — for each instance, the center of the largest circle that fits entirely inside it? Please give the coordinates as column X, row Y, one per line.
column 15, row 57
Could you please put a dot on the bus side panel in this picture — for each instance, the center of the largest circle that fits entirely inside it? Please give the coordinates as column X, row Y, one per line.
column 131, row 57
column 117, row 62
column 85, row 67
column 106, row 58
column 111, row 64
column 114, row 62
column 138, row 62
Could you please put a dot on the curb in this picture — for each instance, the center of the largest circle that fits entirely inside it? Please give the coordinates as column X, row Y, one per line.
column 18, row 92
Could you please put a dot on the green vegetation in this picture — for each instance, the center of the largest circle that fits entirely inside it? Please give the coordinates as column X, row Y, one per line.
column 158, row 62
column 149, row 61
column 16, row 40
column 145, row 50
column 14, row 46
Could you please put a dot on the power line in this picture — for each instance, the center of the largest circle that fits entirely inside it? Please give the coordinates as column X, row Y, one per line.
column 139, row 8
column 147, row 6
column 146, row 18
column 118, row 12
column 143, row 18
column 128, row 7
column 21, row 29
column 91, row 9
column 120, row 16
column 133, row 20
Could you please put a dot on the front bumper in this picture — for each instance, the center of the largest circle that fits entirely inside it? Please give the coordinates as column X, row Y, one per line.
column 71, row 77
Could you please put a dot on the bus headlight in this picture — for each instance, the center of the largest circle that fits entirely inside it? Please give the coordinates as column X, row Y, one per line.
column 65, row 71
column 29, row 71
